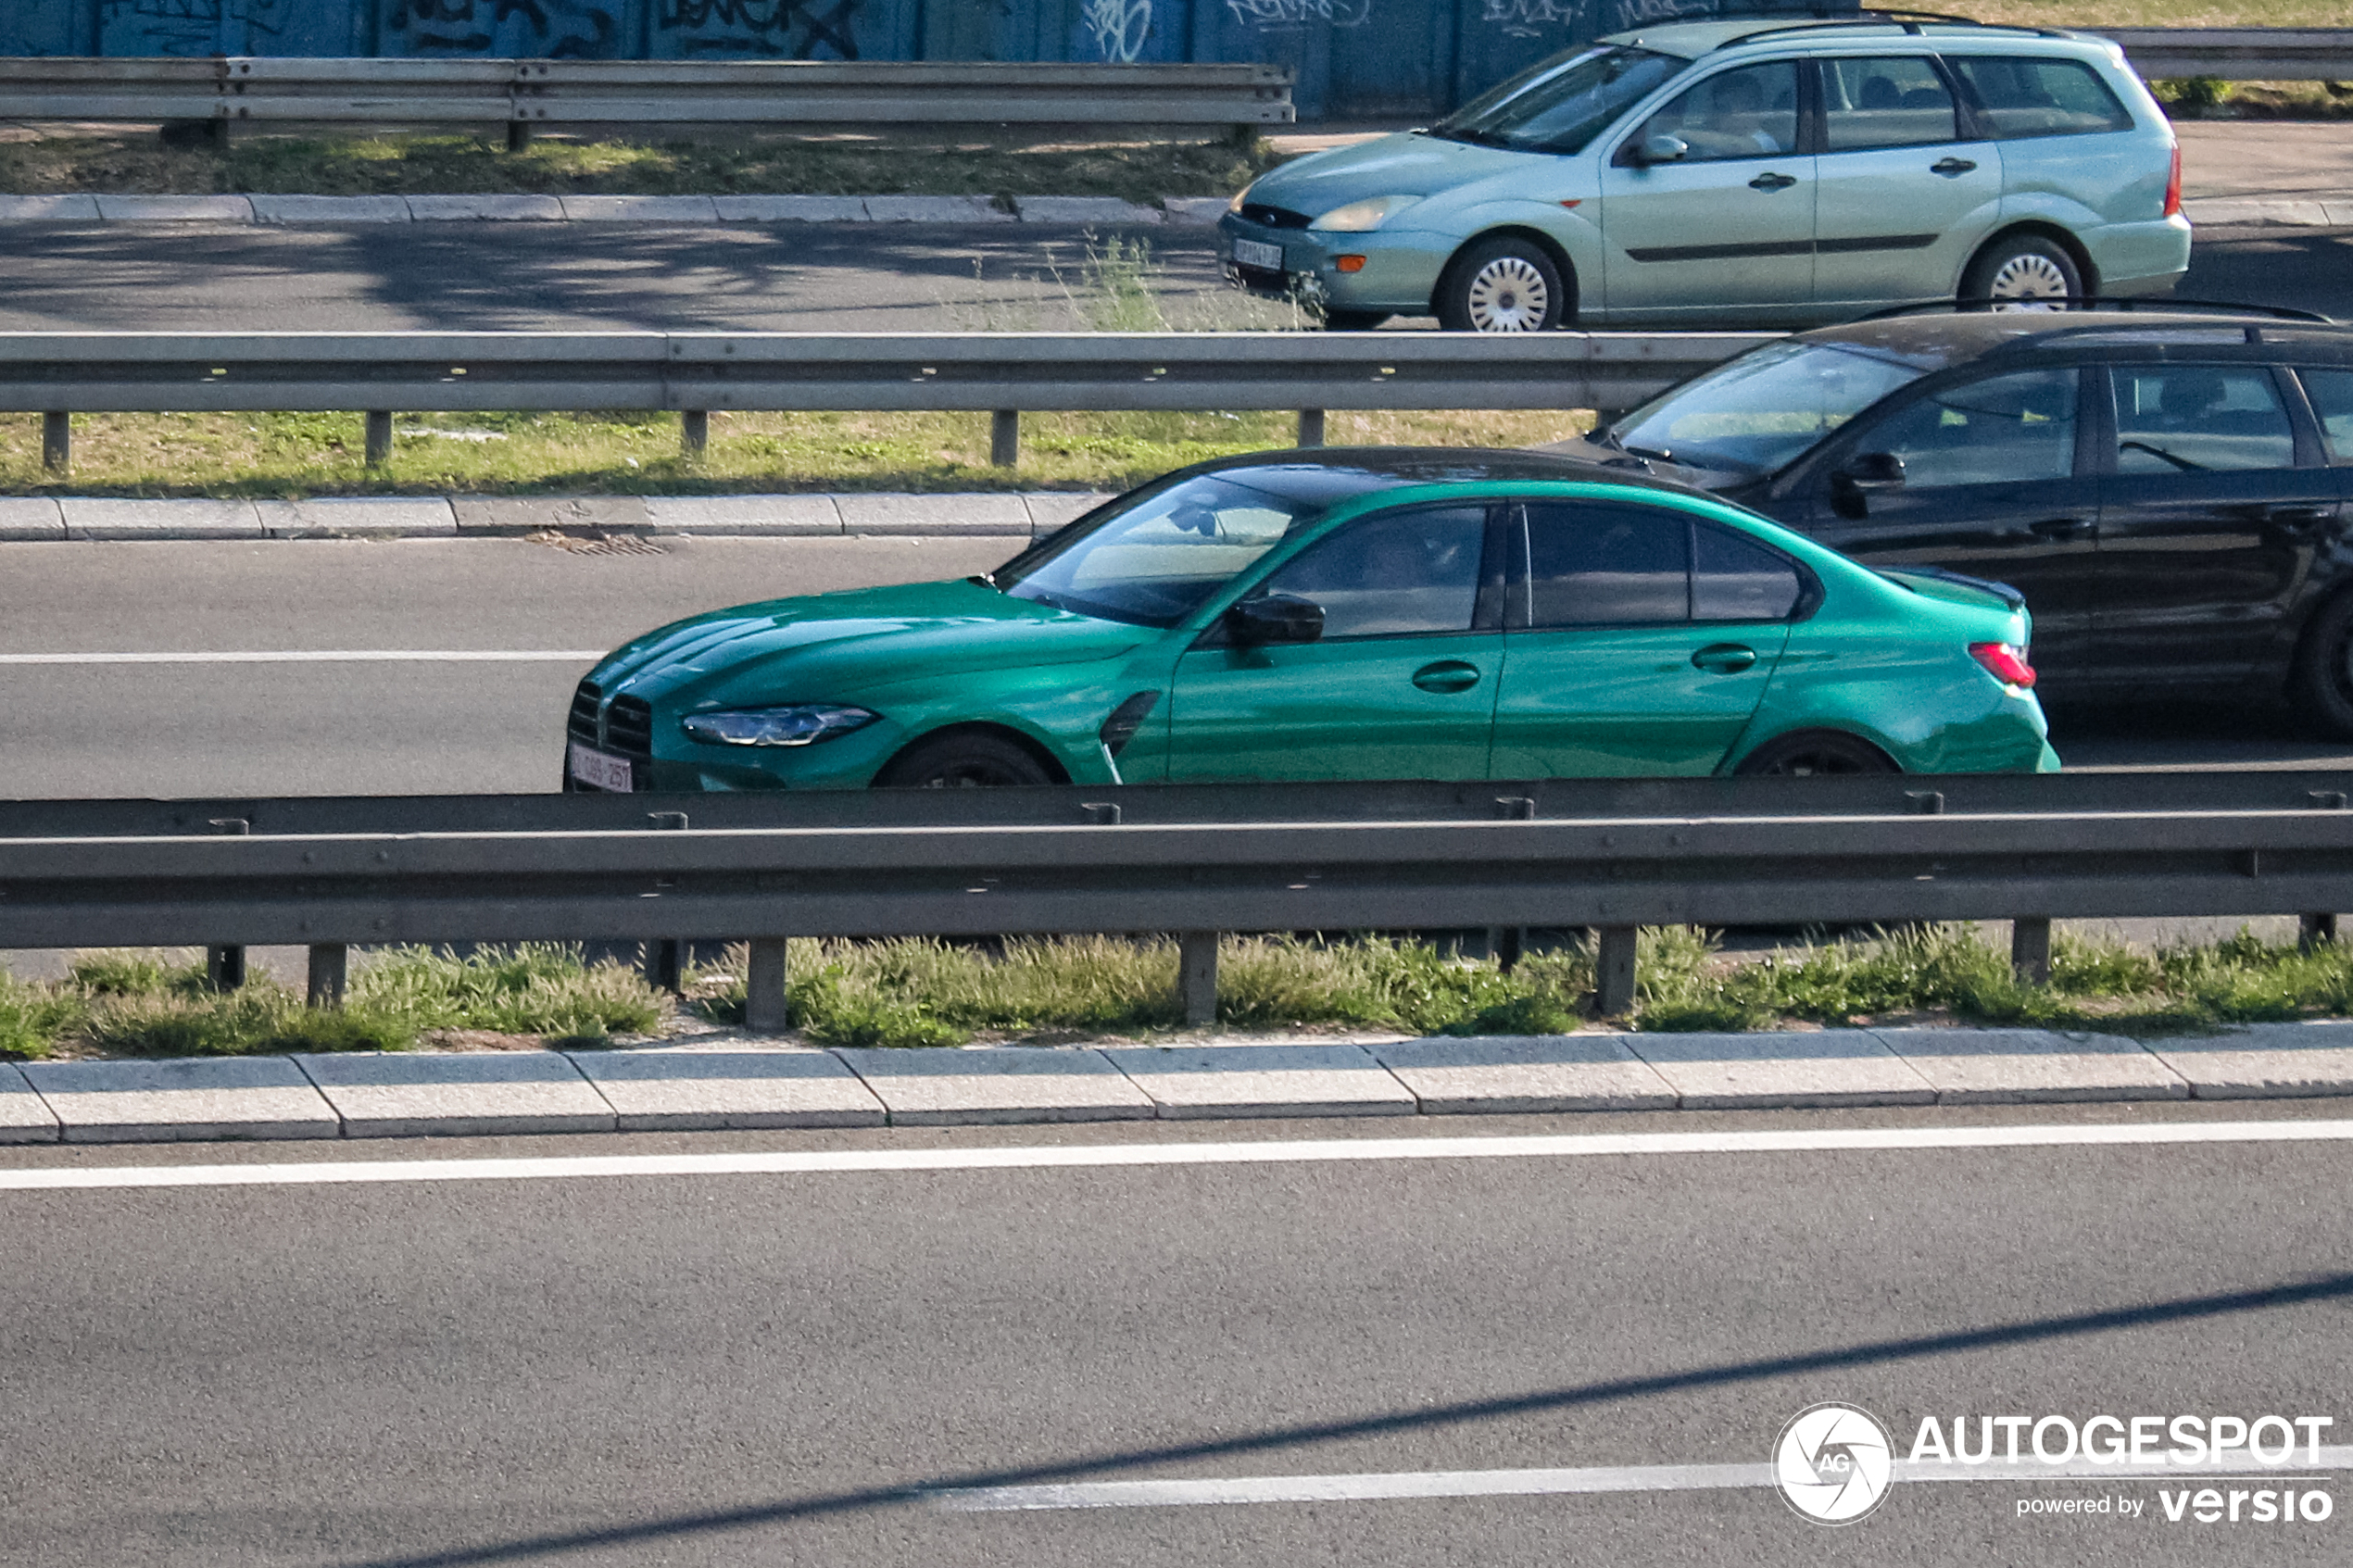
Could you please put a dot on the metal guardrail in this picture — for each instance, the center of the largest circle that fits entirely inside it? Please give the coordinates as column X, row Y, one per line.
column 530, row 94
column 1197, row 860
column 59, row 374
column 2238, row 53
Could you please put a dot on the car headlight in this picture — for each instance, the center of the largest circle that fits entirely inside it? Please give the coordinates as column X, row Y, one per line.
column 1357, row 216
column 800, row 723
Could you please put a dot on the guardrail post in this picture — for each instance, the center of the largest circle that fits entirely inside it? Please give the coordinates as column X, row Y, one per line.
column 328, row 964
column 1196, row 976
column 379, row 438
column 224, row 966
column 57, row 440
column 518, row 135
column 1311, row 426
column 1614, row 970
column 1005, row 437
column 2031, row 950
column 663, row 955
column 765, row 1010
column 694, row 431
column 2315, row 931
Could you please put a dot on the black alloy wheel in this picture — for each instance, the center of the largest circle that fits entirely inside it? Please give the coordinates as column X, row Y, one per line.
column 1812, row 752
column 972, row 759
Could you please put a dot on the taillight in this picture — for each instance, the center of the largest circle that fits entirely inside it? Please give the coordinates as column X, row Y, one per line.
column 2004, row 662
column 2173, row 185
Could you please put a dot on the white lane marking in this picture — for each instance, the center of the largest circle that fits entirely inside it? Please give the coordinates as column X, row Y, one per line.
column 321, row 656
column 1024, row 1157
column 1378, row 1487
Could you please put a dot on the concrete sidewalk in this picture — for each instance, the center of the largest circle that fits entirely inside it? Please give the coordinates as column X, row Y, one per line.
column 746, row 1084
column 872, row 514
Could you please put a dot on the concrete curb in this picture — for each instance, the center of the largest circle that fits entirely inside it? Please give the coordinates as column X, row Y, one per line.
column 1010, row 514
column 2320, row 210
column 296, row 211
column 755, row 1084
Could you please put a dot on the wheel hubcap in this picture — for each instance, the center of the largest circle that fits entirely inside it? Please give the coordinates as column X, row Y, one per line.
column 2024, row 281
column 1508, row 295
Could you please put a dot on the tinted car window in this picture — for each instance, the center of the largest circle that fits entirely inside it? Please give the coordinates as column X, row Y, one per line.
column 1561, row 105
column 1763, row 408
column 2034, row 98
column 2191, row 418
column 2002, row 430
column 1593, row 564
column 1751, row 112
column 2331, row 395
column 1392, row 573
column 1898, row 101
column 1734, row 578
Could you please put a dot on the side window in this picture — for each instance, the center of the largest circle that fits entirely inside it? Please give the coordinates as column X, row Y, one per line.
column 1734, row 578
column 1392, row 573
column 2331, row 395
column 2010, row 429
column 2038, row 97
column 1898, row 101
column 1601, row 565
column 2193, row 419
column 1751, row 112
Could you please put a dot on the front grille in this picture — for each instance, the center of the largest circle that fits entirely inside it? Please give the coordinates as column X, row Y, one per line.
column 1273, row 216
column 629, row 727
column 581, row 723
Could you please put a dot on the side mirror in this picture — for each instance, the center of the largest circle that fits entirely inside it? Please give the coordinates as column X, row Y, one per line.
column 1875, row 471
column 1274, row 618
column 1665, row 149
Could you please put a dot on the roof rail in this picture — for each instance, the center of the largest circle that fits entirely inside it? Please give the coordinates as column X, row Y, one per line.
column 2157, row 304
column 1909, row 21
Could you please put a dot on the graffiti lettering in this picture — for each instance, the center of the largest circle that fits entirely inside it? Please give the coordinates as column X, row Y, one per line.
column 187, row 27
column 1527, row 18
column 763, row 27
column 1298, row 13
column 558, row 29
column 1120, row 27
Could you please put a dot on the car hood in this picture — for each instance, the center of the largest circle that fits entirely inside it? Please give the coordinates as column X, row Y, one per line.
column 1401, row 165
column 831, row 648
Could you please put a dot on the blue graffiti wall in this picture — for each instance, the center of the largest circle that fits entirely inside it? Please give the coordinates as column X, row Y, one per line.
column 1355, row 57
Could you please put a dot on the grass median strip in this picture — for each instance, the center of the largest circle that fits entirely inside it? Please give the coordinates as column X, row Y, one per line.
column 917, row 992
column 293, row 456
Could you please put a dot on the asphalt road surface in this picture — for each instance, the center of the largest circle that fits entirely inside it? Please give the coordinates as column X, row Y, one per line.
column 793, row 278
column 116, row 677
column 790, row 1366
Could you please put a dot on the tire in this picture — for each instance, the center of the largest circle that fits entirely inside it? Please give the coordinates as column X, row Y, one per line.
column 963, row 760
column 2011, row 274
column 1811, row 752
column 2322, row 685
column 1354, row 320
column 1503, row 285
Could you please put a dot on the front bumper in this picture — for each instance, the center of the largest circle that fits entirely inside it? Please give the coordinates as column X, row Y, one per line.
column 1398, row 274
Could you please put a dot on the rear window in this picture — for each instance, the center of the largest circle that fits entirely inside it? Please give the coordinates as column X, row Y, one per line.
column 2331, row 395
column 2018, row 97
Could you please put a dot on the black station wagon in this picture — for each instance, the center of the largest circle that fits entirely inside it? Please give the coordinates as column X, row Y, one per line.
column 2167, row 486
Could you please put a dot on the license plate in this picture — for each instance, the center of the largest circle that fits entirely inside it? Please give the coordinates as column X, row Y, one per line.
column 1249, row 253
column 598, row 771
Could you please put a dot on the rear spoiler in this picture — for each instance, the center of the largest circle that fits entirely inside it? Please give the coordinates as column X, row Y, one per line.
column 2001, row 591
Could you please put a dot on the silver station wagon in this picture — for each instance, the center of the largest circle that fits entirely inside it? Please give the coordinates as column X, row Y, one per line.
column 1752, row 172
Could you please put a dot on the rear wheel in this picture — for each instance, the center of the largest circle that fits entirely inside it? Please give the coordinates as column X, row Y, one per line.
column 2322, row 686
column 967, row 760
column 1503, row 285
column 1811, row 752
column 2023, row 272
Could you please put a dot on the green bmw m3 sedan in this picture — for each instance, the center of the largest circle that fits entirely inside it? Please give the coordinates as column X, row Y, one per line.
column 1378, row 613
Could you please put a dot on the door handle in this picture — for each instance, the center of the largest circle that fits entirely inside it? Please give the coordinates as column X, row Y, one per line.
column 1724, row 658
column 1447, row 676
column 2064, row 528
column 2299, row 520
column 1772, row 182
column 1950, row 166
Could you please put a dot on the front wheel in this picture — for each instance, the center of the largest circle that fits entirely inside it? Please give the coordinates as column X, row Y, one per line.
column 1813, row 752
column 2322, row 686
column 967, row 760
column 1503, row 285
column 2023, row 272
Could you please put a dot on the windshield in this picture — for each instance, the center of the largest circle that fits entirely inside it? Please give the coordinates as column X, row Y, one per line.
column 1157, row 560
column 1561, row 105
column 1761, row 410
